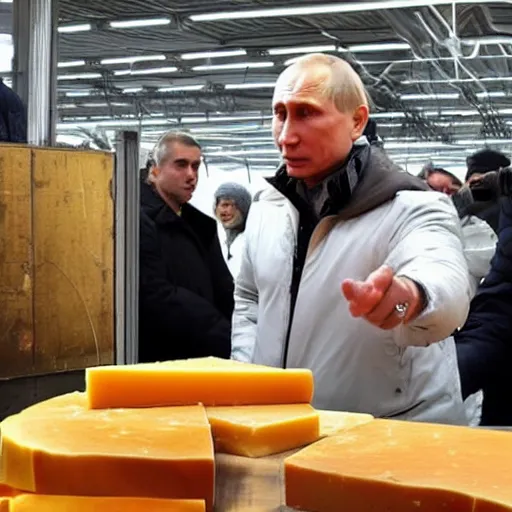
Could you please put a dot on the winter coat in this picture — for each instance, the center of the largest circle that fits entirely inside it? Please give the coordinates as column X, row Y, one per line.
column 402, row 373
column 186, row 290
column 233, row 255
column 484, row 345
column 13, row 116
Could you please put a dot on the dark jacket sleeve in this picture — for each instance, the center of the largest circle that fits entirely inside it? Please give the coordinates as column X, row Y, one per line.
column 175, row 312
column 223, row 285
column 484, row 344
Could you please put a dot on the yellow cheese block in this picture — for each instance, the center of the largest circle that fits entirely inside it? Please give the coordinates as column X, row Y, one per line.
column 210, row 381
column 403, row 467
column 41, row 503
column 61, row 447
column 260, row 430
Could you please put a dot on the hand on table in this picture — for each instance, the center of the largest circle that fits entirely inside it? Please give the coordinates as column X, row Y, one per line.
column 384, row 300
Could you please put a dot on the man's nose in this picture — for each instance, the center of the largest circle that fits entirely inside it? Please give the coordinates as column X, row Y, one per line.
column 288, row 135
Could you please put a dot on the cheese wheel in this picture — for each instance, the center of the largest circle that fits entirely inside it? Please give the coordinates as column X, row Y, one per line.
column 403, row 467
column 60, row 447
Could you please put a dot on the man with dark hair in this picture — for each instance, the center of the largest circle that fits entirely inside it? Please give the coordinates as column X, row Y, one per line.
column 186, row 290
column 479, row 164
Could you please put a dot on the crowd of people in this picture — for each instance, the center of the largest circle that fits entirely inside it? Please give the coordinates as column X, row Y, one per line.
column 394, row 289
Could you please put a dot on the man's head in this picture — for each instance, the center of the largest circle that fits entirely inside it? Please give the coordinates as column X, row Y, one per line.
column 441, row 180
column 320, row 109
column 485, row 161
column 174, row 174
column 232, row 202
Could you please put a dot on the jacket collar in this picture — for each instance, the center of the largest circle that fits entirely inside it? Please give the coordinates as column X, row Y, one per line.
column 365, row 181
column 156, row 208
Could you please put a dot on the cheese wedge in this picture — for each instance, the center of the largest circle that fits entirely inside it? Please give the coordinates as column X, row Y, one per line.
column 403, row 467
column 40, row 503
column 68, row 449
column 210, row 381
column 334, row 422
column 260, row 430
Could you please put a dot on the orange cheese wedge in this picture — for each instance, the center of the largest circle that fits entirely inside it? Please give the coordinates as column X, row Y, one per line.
column 403, row 467
column 260, row 430
column 39, row 503
column 210, row 381
column 335, row 422
column 60, row 447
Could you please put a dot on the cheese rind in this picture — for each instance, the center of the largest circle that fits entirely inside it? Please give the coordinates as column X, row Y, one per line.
column 153, row 453
column 42, row 503
column 210, row 381
column 403, row 467
column 258, row 431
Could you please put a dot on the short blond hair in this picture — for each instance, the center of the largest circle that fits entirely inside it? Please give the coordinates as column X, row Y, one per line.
column 344, row 87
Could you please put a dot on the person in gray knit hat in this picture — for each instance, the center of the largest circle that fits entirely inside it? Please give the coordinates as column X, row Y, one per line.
column 232, row 203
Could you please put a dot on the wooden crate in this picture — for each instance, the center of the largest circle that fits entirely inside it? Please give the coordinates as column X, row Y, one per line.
column 56, row 260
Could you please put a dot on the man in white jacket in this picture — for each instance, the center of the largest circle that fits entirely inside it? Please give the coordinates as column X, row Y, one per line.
column 350, row 268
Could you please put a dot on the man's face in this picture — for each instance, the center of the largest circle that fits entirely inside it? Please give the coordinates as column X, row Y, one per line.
column 176, row 177
column 442, row 183
column 228, row 213
column 475, row 177
column 312, row 135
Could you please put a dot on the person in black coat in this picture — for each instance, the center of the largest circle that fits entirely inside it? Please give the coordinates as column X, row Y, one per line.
column 484, row 344
column 186, row 289
column 479, row 164
column 13, row 116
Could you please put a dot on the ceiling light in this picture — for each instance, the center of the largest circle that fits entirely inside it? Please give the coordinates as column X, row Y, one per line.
column 213, row 55
column 235, row 65
column 255, row 85
column 460, row 80
column 67, row 29
column 189, row 120
column 327, row 8
column 66, row 105
column 132, row 90
column 177, row 88
column 78, row 94
column 378, row 47
column 131, row 60
column 492, row 94
column 79, row 76
column 302, row 49
column 148, row 22
column 124, row 72
column 71, row 64
column 440, row 96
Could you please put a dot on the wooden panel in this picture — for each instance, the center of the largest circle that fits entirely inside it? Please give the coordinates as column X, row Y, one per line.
column 16, row 328
column 73, row 259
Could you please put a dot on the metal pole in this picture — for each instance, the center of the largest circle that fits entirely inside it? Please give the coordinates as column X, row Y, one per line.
column 127, row 204
column 35, row 65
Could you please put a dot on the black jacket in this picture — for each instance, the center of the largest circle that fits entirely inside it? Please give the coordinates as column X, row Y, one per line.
column 13, row 116
column 484, row 344
column 186, row 289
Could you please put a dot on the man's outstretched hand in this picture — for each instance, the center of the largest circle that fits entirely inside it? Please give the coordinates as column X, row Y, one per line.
column 384, row 300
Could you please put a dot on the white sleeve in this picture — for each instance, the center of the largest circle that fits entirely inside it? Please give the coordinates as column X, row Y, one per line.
column 427, row 248
column 479, row 247
column 245, row 315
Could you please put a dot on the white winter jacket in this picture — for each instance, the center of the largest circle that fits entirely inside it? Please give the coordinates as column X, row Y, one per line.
column 233, row 257
column 402, row 373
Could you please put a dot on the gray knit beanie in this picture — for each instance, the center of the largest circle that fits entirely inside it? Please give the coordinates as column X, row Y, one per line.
column 237, row 193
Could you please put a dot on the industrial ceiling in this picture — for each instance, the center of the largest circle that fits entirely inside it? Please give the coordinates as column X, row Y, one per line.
column 438, row 72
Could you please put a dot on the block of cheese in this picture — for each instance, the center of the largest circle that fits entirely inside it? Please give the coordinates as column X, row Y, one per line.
column 61, row 447
column 210, row 381
column 260, row 430
column 403, row 467
column 335, row 422
column 47, row 503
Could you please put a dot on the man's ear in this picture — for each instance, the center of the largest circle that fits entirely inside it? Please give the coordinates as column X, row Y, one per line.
column 360, row 119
